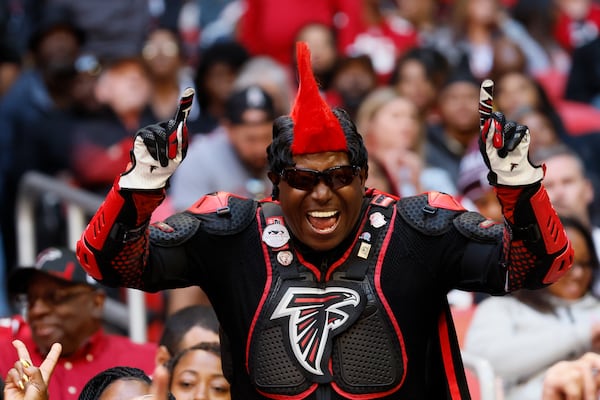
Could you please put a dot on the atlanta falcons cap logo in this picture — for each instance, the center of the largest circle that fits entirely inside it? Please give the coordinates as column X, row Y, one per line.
column 315, row 316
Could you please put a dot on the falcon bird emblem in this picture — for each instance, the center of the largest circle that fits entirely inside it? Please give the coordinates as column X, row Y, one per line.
column 315, row 315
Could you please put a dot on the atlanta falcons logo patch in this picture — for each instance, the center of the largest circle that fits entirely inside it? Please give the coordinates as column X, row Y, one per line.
column 315, row 316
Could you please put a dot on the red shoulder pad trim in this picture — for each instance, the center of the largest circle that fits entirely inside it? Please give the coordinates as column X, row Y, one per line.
column 443, row 200
column 381, row 198
column 213, row 202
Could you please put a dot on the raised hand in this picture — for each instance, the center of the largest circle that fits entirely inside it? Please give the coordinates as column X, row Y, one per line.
column 504, row 145
column 573, row 380
column 27, row 382
column 158, row 150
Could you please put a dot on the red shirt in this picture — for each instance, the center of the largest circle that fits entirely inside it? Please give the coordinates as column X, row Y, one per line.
column 102, row 351
column 269, row 27
column 571, row 34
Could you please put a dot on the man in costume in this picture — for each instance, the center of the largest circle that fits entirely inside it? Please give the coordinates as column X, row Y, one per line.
column 330, row 290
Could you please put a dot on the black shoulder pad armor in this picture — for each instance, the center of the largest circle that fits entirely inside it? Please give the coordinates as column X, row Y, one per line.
column 174, row 230
column 223, row 213
column 476, row 227
column 431, row 219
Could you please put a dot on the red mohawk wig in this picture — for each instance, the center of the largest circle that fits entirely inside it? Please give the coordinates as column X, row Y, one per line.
column 316, row 129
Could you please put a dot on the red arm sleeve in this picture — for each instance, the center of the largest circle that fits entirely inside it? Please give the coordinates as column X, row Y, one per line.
column 113, row 247
column 536, row 246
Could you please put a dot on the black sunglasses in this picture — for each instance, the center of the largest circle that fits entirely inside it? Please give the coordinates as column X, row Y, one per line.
column 306, row 179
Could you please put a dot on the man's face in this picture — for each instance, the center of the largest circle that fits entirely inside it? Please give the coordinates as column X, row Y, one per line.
column 322, row 217
column 58, row 50
column 569, row 191
column 456, row 106
column 61, row 312
column 251, row 138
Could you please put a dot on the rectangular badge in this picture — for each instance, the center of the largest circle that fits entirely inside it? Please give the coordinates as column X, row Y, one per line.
column 363, row 250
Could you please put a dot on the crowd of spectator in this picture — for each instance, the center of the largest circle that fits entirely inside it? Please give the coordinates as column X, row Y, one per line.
column 79, row 78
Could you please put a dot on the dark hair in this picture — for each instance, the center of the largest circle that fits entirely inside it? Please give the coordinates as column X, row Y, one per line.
column 230, row 53
column 434, row 63
column 537, row 299
column 180, row 322
column 94, row 388
column 211, row 347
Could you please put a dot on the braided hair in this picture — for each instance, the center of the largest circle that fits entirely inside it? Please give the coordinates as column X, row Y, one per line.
column 94, row 388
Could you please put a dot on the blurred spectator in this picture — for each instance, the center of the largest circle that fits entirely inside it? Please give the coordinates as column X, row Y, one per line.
column 583, row 82
column 49, row 146
column 10, row 66
column 18, row 20
column 448, row 141
column 163, row 55
column 475, row 192
column 570, row 187
column 475, row 28
column 545, row 56
column 507, row 56
column 196, row 373
column 65, row 305
column 578, row 23
column 353, row 79
column 394, row 135
column 425, row 16
column 383, row 37
column 120, row 382
column 41, row 87
column 219, row 66
column 268, row 27
column 524, row 326
column 324, row 53
column 233, row 158
column 272, row 77
column 185, row 327
column 419, row 75
column 515, row 91
column 544, row 135
column 114, row 29
column 101, row 145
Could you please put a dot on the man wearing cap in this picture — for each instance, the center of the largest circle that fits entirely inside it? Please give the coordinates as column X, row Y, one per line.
column 330, row 290
column 65, row 305
column 232, row 158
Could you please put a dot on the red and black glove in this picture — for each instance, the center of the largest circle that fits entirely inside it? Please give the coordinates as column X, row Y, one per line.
column 158, row 150
column 504, row 145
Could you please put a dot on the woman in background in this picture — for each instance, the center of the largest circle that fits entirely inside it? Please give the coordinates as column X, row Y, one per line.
column 532, row 330
column 196, row 373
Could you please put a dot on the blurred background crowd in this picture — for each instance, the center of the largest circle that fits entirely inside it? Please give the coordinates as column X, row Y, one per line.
column 78, row 78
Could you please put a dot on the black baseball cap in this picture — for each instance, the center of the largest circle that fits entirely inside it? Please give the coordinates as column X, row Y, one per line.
column 250, row 98
column 58, row 262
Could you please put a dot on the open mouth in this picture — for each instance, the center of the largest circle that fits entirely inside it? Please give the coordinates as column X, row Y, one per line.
column 323, row 221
